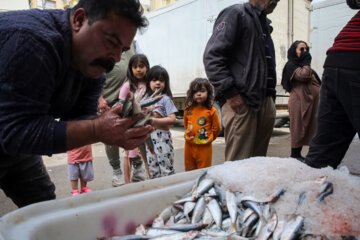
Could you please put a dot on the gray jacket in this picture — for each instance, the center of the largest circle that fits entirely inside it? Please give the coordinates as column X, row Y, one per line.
column 234, row 57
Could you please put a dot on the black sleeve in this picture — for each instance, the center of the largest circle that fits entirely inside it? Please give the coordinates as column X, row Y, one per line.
column 218, row 52
column 27, row 80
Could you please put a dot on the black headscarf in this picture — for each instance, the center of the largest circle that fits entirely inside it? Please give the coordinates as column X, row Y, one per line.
column 293, row 63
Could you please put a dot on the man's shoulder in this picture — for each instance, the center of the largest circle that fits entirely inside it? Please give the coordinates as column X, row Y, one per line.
column 238, row 9
column 45, row 24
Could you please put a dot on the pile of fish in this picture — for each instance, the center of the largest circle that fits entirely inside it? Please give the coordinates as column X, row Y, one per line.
column 209, row 211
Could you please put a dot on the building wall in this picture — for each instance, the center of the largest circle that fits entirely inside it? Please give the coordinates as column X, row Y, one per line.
column 155, row 4
column 6, row 5
column 52, row 4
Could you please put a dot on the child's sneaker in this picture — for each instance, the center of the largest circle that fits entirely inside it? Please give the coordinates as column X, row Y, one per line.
column 138, row 173
column 74, row 192
column 85, row 190
column 118, row 178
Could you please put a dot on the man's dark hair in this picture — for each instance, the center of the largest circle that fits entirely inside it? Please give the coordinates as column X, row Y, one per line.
column 100, row 9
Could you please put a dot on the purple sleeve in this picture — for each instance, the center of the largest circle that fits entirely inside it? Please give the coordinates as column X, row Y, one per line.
column 165, row 106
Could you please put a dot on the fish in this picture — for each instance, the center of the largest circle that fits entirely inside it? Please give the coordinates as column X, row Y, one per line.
column 198, row 210
column 215, row 211
column 231, row 205
column 326, row 190
column 292, row 228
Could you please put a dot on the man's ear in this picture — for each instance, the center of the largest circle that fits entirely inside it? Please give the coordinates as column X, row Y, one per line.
column 78, row 19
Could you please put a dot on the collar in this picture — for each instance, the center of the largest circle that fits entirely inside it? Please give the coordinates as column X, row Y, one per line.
column 257, row 10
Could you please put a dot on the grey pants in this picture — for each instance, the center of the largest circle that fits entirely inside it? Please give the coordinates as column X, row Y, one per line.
column 247, row 134
column 113, row 155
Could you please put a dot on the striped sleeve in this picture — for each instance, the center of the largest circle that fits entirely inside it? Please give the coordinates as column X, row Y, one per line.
column 349, row 37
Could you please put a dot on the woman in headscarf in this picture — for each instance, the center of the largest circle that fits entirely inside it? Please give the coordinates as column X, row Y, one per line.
column 303, row 84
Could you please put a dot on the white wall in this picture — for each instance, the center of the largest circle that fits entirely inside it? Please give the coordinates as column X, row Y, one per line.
column 6, row 5
column 327, row 19
column 177, row 36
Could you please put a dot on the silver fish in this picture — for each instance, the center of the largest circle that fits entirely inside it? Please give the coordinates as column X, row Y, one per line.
column 270, row 226
column 188, row 208
column 215, row 210
column 231, row 205
column 207, row 217
column 185, row 227
column 178, row 236
column 198, row 210
column 326, row 190
column 203, row 187
column 130, row 237
column 292, row 228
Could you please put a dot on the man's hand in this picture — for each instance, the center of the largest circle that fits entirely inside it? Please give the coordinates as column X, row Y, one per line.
column 111, row 129
column 102, row 107
column 236, row 103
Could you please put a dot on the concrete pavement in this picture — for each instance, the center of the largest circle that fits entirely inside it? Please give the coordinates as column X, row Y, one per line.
column 57, row 164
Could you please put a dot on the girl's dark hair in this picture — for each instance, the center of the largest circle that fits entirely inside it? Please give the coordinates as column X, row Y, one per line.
column 158, row 73
column 195, row 86
column 133, row 81
column 100, row 9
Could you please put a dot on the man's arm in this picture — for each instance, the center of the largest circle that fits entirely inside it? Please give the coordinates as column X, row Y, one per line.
column 109, row 128
column 218, row 51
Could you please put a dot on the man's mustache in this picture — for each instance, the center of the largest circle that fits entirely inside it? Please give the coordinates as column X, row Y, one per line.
column 105, row 63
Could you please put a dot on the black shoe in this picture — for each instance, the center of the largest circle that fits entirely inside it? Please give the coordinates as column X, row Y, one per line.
column 300, row 158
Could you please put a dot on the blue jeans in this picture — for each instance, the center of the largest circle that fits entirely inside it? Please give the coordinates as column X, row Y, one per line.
column 25, row 179
column 338, row 117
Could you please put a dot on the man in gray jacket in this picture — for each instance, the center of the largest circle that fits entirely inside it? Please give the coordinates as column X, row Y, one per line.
column 239, row 61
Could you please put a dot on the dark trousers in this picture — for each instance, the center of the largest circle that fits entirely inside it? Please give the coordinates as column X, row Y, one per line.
column 25, row 180
column 338, row 117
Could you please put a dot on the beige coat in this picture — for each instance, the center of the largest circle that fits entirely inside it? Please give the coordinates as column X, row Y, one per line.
column 303, row 105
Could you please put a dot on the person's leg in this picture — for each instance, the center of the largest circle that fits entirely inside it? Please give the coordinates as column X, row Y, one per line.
column 127, row 167
column 86, row 175
column 334, row 129
column 296, row 153
column 138, row 173
column 74, row 187
column 74, row 175
column 265, row 125
column 189, row 161
column 204, row 156
column 83, row 183
column 27, row 181
column 240, row 132
column 112, row 153
column 164, row 152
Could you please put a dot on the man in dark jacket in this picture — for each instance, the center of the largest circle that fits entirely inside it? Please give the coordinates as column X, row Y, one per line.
column 52, row 66
column 239, row 61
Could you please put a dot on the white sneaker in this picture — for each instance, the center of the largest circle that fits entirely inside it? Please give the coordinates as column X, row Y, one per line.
column 138, row 175
column 118, row 178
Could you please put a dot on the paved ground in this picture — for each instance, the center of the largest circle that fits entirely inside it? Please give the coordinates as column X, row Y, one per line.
column 57, row 164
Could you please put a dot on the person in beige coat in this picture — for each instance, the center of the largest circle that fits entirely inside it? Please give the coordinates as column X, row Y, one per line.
column 303, row 84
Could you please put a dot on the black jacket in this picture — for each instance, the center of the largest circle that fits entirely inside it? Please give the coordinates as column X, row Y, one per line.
column 234, row 57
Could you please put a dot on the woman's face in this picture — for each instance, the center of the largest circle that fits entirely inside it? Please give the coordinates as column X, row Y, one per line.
column 300, row 47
